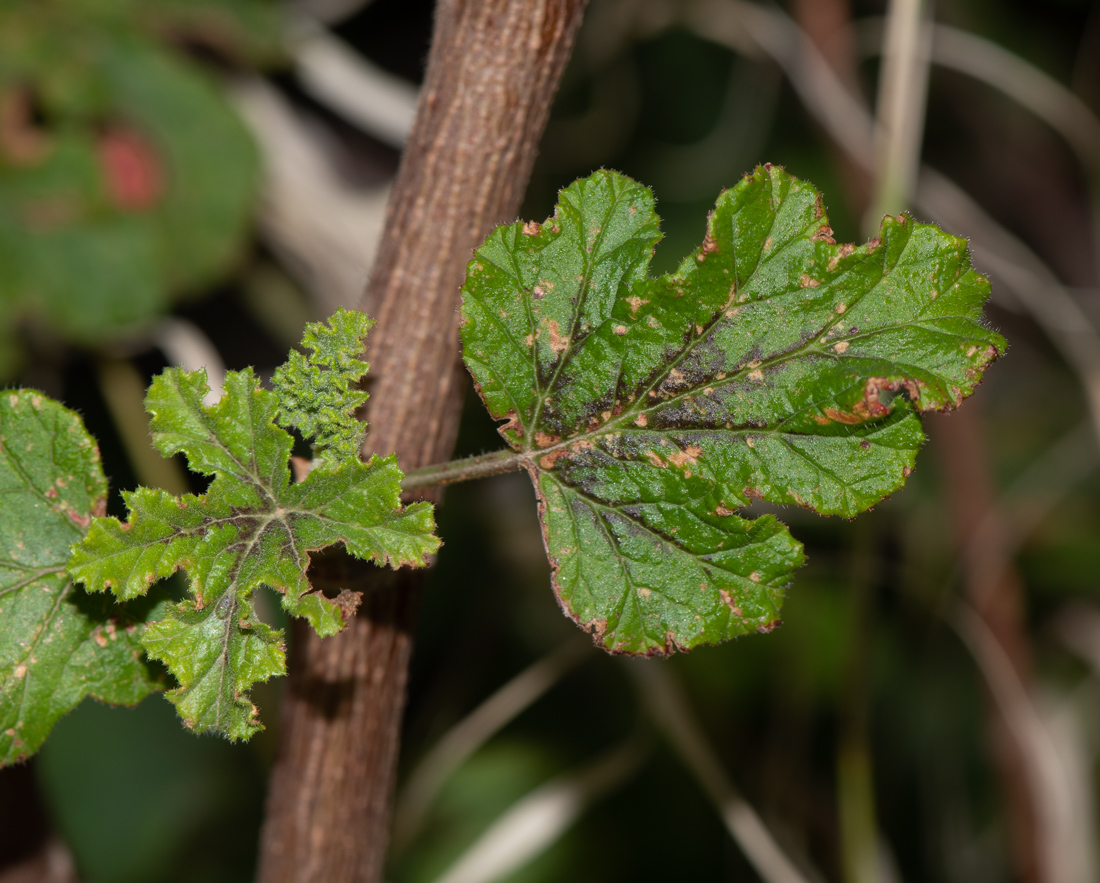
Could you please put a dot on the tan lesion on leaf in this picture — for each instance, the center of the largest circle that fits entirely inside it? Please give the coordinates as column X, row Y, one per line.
column 532, row 228
column 688, row 456
column 727, row 599
column 549, row 461
column 546, row 439
column 558, row 342
column 846, row 249
column 870, row 405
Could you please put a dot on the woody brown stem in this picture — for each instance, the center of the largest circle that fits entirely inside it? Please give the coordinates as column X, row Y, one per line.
column 493, row 69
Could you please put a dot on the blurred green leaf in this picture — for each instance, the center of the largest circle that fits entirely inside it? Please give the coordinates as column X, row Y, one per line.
column 773, row 364
column 125, row 177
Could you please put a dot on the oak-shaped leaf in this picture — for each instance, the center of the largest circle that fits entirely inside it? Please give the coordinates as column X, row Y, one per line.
column 59, row 643
column 774, row 364
column 253, row 527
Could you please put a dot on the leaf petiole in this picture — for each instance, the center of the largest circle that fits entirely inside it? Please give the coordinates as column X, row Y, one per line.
column 481, row 466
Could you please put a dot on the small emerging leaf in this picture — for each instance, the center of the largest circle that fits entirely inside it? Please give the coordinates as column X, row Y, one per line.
column 59, row 644
column 317, row 394
column 252, row 527
column 772, row 365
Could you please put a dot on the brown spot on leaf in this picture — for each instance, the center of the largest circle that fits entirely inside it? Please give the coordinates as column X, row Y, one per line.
column 545, row 439
column 866, row 445
column 690, row 454
column 727, row 599
column 722, row 511
column 644, row 594
column 532, row 228
column 753, row 493
column 547, row 461
column 620, row 330
column 840, row 347
column 769, row 626
column 81, row 521
column 807, row 281
column 558, row 341
column 641, row 420
column 655, row 459
column 870, row 406
column 824, row 233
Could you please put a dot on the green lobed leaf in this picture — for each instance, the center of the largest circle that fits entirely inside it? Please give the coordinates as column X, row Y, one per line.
column 59, row 644
column 774, row 364
column 253, row 527
column 317, row 393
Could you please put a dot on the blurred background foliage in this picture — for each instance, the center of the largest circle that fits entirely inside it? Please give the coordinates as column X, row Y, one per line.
column 189, row 182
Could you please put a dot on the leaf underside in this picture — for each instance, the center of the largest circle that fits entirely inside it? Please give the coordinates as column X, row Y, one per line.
column 59, row 644
column 774, row 365
column 252, row 527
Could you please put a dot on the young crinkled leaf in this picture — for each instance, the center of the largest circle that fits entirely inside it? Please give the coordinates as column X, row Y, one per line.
column 59, row 644
column 772, row 365
column 252, row 527
column 318, row 395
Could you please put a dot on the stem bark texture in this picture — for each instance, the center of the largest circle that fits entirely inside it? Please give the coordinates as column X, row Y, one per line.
column 492, row 72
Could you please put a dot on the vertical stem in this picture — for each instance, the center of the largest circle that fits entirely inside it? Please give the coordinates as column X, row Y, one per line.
column 900, row 113
column 493, row 69
column 855, row 779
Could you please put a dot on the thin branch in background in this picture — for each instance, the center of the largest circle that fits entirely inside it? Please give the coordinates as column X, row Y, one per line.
column 469, row 734
column 183, row 343
column 537, row 821
column 828, row 24
column 325, row 232
column 669, row 709
column 1050, row 784
column 899, row 117
column 859, row 835
column 123, row 389
column 347, row 83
